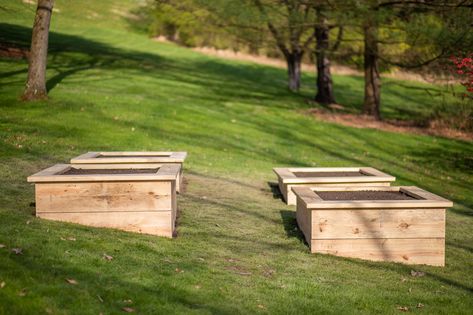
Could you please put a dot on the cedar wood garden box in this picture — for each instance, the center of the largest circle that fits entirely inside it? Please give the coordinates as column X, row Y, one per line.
column 400, row 224
column 328, row 176
column 131, row 197
column 134, row 157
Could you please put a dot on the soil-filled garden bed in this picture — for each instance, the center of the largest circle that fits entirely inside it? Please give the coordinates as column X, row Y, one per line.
column 134, row 157
column 328, row 176
column 132, row 197
column 400, row 224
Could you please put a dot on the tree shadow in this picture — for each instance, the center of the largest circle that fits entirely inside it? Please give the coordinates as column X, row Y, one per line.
column 274, row 187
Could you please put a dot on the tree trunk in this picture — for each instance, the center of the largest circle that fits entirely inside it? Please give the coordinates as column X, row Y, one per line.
column 372, row 78
column 293, row 60
column 36, row 83
column 324, row 77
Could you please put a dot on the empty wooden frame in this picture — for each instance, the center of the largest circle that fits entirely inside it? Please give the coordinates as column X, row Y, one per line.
column 407, row 228
column 326, row 177
column 132, row 197
column 134, row 157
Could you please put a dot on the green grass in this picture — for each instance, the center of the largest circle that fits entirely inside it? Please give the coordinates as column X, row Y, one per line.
column 238, row 246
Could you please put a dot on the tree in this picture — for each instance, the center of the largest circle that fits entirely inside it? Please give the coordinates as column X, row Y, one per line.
column 36, row 82
column 324, row 77
column 291, row 24
column 427, row 31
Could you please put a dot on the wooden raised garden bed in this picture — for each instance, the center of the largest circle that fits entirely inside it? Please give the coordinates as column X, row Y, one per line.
column 134, row 157
column 328, row 176
column 132, row 197
column 400, row 224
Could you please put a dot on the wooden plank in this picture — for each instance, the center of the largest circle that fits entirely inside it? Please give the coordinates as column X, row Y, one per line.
column 430, row 251
column 430, row 200
column 127, row 157
column 291, row 197
column 155, row 223
column 105, row 196
column 51, row 174
column 303, row 217
column 378, row 223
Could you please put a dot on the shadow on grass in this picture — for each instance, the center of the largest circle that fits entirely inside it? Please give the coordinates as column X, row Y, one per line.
column 274, row 187
column 290, row 225
column 69, row 55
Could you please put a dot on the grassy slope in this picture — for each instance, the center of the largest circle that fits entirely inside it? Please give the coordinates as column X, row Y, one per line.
column 238, row 246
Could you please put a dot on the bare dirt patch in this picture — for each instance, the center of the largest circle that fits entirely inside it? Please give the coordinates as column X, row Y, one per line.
column 401, row 126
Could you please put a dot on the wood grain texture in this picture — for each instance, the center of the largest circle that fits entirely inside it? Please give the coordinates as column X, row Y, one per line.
column 288, row 180
column 430, row 251
column 53, row 174
column 153, row 222
column 407, row 231
column 378, row 223
column 104, row 196
column 127, row 157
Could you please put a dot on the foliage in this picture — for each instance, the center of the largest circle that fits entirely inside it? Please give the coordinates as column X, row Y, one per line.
column 238, row 249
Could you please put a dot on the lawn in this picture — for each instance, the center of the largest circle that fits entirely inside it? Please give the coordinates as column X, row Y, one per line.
column 238, row 249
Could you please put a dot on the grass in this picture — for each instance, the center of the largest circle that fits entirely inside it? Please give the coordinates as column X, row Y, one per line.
column 238, row 249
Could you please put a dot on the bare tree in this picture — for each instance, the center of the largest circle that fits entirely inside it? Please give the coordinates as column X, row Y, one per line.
column 36, row 82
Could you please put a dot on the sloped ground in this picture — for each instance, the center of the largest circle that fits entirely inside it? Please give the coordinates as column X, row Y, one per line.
column 238, row 249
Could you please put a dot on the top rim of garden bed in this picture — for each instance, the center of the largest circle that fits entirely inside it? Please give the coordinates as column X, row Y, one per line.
column 110, row 157
column 165, row 172
column 370, row 175
column 423, row 198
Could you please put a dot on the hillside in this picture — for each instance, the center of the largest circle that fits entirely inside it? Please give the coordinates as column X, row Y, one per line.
column 238, row 249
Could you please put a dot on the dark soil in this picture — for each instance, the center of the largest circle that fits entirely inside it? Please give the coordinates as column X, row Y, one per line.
column 131, row 156
column 364, row 195
column 83, row 171
column 330, row 174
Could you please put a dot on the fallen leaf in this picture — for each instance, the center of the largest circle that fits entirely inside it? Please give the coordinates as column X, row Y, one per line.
column 22, row 292
column 201, row 259
column 71, row 281
column 17, row 251
column 107, row 257
column 261, row 306
column 244, row 273
column 403, row 308
column 128, row 301
column 420, row 305
column 128, row 309
column 403, row 279
column 100, row 298
column 71, row 238
column 2, row 284
column 2, row 246
column 179, row 270
column 417, row 273
column 28, row 222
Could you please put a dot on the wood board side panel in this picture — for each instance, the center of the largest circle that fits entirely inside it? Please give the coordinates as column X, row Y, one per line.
column 378, row 223
column 408, row 251
column 155, row 223
column 303, row 217
column 103, row 196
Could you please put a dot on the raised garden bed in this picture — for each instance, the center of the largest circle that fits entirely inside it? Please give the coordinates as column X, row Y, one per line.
column 328, row 176
column 134, row 157
column 132, row 197
column 400, row 224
